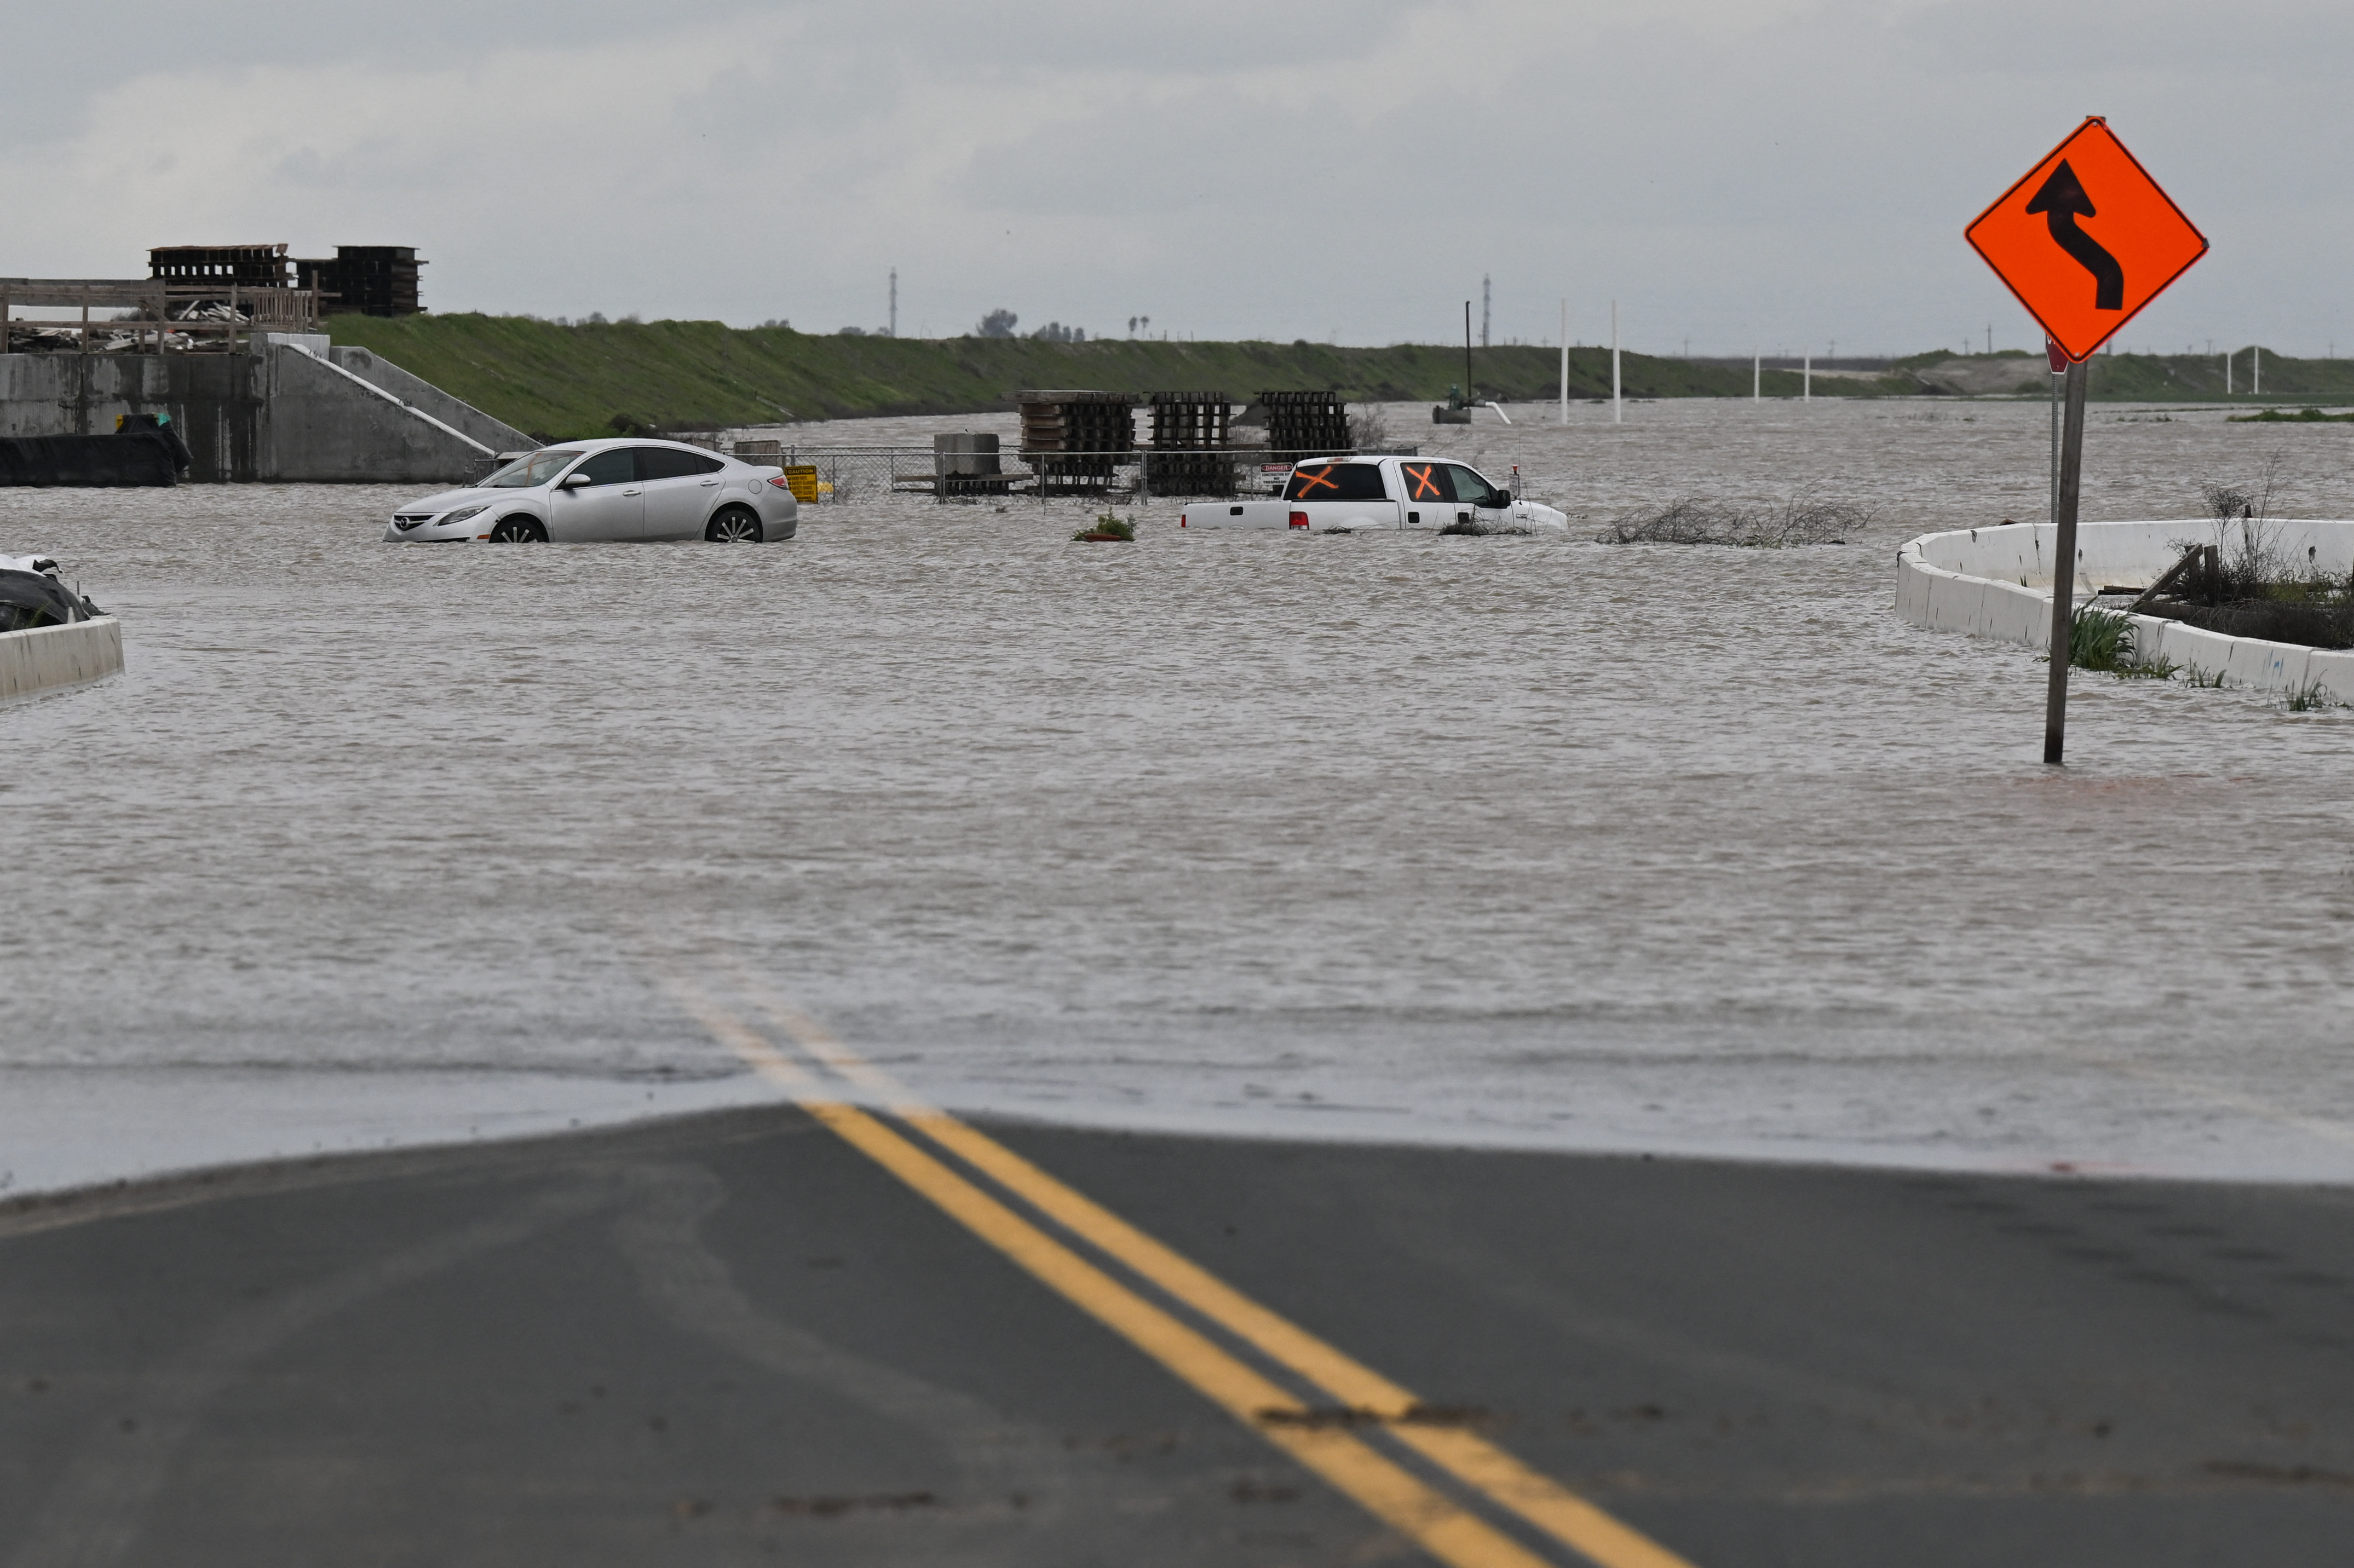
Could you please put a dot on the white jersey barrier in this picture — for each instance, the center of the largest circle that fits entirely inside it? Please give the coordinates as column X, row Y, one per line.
column 1997, row 582
column 49, row 657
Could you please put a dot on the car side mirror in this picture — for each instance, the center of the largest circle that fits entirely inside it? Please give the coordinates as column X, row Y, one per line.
column 1504, row 498
column 573, row 482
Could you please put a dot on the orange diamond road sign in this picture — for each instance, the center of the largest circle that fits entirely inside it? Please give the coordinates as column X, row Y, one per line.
column 2086, row 239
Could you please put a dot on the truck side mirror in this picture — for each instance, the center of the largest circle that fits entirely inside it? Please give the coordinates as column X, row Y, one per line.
column 1505, row 498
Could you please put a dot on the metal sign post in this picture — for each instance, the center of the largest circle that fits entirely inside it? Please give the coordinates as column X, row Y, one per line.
column 2063, row 562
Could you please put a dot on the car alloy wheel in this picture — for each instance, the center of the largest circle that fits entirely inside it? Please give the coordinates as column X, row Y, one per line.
column 517, row 531
column 734, row 526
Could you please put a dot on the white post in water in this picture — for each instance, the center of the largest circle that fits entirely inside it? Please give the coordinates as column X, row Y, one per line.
column 1807, row 372
column 1757, row 377
column 2227, row 373
column 1565, row 359
column 2256, row 370
column 1618, row 403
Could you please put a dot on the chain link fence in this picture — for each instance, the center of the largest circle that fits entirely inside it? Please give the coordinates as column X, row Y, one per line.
column 844, row 474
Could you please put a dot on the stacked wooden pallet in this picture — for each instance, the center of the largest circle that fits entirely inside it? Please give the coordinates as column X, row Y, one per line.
column 1073, row 440
column 1305, row 424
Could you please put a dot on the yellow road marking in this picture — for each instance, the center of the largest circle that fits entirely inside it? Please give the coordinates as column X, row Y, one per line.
column 1378, row 1485
column 1541, row 1500
column 1535, row 1497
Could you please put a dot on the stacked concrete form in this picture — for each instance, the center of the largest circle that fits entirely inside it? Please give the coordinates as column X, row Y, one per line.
column 1075, row 439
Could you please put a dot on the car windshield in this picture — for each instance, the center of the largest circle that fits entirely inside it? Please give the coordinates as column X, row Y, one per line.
column 525, row 473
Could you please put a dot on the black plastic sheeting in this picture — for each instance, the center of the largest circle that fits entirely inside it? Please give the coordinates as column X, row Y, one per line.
column 138, row 455
column 29, row 599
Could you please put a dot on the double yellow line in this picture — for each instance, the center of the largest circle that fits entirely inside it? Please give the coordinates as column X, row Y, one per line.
column 1379, row 1484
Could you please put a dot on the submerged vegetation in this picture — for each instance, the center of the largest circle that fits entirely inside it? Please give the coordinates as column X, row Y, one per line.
column 2282, row 417
column 1806, row 518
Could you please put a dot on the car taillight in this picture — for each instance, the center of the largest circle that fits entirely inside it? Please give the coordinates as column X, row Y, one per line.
column 781, row 482
column 1299, row 519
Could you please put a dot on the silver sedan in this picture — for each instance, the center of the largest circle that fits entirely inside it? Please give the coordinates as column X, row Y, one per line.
column 610, row 490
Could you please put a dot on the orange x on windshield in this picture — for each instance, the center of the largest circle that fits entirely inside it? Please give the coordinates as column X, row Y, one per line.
column 1425, row 482
column 1310, row 478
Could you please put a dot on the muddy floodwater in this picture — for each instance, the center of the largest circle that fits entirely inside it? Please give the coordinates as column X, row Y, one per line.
column 1520, row 840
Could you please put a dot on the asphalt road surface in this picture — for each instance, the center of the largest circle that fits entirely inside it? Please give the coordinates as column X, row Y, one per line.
column 786, row 1334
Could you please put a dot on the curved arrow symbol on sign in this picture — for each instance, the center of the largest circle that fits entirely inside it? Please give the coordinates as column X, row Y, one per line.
column 2062, row 201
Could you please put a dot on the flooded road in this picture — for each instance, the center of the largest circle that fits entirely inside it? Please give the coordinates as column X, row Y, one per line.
column 1526, row 841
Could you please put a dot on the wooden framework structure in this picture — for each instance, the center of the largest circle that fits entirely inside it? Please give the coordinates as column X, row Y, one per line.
column 159, row 302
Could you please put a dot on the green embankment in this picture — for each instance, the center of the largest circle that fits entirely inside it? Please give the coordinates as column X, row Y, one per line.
column 574, row 381
column 2117, row 377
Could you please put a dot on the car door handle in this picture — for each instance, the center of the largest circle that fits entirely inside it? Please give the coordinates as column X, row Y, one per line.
column 709, row 483
column 631, row 493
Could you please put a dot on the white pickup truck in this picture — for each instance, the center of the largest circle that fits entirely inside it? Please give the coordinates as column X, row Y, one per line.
column 1343, row 495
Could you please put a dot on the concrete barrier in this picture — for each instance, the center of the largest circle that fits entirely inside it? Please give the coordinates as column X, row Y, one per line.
column 1997, row 583
column 49, row 658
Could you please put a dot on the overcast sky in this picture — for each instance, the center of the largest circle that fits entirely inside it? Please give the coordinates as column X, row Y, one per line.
column 1775, row 174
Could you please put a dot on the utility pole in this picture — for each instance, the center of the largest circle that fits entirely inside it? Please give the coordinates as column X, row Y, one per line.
column 1483, row 314
column 1467, row 353
column 2063, row 562
column 894, row 301
column 1757, row 377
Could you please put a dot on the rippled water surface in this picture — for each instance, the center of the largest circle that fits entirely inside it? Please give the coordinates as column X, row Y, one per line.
column 1529, row 840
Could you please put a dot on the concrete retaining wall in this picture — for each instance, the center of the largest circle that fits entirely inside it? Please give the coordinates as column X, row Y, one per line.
column 1997, row 582
column 49, row 658
column 275, row 413
column 215, row 399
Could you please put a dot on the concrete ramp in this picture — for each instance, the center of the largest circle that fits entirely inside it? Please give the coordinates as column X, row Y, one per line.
column 426, row 399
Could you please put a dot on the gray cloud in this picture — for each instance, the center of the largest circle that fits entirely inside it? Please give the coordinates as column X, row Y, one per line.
column 1749, row 176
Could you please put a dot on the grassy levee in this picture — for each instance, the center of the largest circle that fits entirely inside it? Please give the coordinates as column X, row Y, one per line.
column 2117, row 377
column 577, row 381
